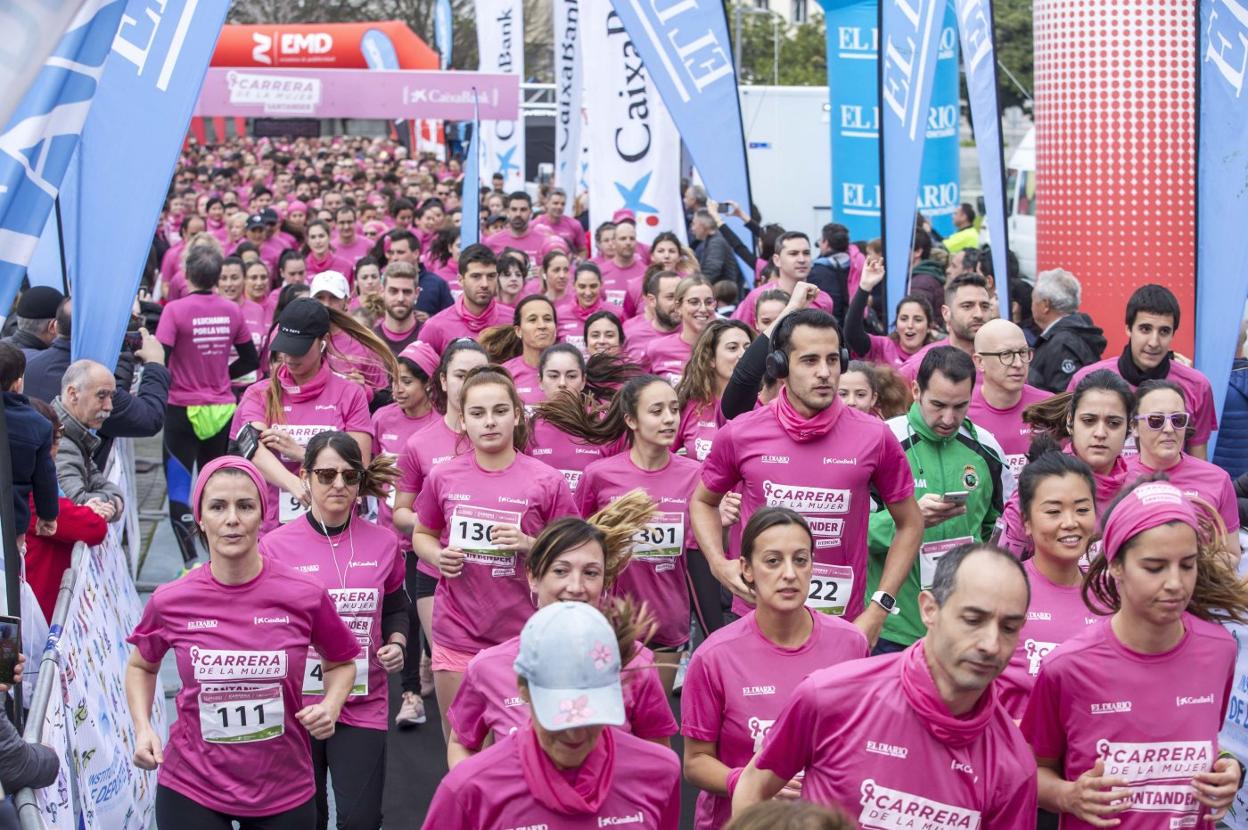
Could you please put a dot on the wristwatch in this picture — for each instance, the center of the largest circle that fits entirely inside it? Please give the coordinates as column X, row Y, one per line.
column 886, row 601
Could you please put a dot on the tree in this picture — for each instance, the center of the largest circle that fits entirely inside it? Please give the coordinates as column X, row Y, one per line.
column 1012, row 19
column 802, row 49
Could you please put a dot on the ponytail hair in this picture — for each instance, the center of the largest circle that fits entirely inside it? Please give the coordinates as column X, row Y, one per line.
column 356, row 330
column 502, row 343
column 614, row 528
column 568, row 413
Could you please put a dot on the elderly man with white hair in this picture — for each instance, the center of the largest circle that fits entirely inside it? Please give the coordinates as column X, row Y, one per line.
column 1068, row 339
column 85, row 402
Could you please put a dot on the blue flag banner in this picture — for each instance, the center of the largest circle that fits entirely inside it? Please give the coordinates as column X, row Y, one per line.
column 1221, row 198
column 909, row 42
column 126, row 158
column 685, row 47
column 979, row 58
column 470, row 207
column 39, row 141
column 31, row 32
column 443, row 31
column 853, row 92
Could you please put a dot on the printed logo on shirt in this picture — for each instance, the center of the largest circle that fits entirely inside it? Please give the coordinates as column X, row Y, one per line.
column 308, row 569
column 324, row 407
column 888, row 750
column 827, row 460
column 755, row 691
column 884, row 808
column 806, row 499
column 1193, row 701
column 759, row 727
column 774, row 459
column 512, row 702
column 1039, row 615
column 237, row 664
column 970, row 477
column 351, row 601
column 959, row 766
column 440, row 459
column 530, row 827
column 586, row 451
column 1036, row 651
column 283, row 620
column 543, row 451
column 197, row 625
column 702, row 448
column 615, row 821
column 1113, row 707
column 458, row 497
column 510, row 500
column 1155, row 760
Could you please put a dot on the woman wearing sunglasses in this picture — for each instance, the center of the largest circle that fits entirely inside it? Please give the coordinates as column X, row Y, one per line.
column 362, row 566
column 1161, row 424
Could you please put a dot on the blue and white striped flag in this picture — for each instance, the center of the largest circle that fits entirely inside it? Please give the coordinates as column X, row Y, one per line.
column 38, row 142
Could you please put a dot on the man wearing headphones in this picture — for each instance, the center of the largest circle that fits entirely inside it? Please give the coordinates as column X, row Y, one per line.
column 810, row 452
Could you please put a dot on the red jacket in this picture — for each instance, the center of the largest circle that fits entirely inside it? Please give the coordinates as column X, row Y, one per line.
column 48, row 557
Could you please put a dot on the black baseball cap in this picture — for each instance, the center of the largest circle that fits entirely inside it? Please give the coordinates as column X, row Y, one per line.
column 300, row 323
column 39, row 303
column 255, row 220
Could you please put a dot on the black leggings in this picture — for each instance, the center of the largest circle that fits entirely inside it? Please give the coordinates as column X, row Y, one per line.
column 175, row 810
column 419, row 586
column 707, row 595
column 183, row 450
column 355, row 760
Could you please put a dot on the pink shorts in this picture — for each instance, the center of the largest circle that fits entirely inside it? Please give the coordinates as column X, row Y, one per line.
column 448, row 659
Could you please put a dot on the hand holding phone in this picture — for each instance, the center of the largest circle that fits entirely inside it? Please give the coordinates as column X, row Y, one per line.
column 10, row 650
column 955, row 497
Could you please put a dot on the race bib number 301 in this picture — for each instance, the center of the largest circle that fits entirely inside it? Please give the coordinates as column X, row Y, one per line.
column 240, row 713
column 662, row 540
column 831, row 586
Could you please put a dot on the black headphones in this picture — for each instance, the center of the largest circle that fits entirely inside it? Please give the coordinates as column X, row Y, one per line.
column 778, row 361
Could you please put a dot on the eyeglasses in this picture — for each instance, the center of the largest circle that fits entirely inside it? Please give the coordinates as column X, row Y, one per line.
column 1157, row 420
column 1010, row 358
column 328, row 475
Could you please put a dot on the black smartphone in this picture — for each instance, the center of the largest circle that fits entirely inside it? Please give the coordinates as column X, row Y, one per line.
column 133, row 341
column 10, row 647
column 248, row 441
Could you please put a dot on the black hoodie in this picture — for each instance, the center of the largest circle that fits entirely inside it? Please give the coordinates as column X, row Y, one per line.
column 1070, row 344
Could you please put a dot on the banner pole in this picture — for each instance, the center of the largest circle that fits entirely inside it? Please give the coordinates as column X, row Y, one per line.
column 60, row 243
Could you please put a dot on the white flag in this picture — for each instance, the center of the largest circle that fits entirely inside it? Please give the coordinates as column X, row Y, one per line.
column 636, row 149
column 500, row 42
column 568, row 88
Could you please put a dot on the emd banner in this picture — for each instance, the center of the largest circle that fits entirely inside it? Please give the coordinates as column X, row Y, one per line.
column 636, row 163
column 500, row 42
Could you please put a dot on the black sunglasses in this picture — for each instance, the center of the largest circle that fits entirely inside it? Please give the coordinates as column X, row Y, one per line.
column 328, row 475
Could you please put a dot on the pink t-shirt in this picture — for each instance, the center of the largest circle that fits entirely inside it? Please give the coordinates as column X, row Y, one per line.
column 257, row 319
column 489, row 601
column 1153, row 718
column 865, row 749
column 448, row 324
column 570, row 456
column 353, row 253
column 340, row 405
column 667, row 356
column 638, row 333
column 739, row 657
column 618, row 282
column 1197, row 477
column 657, row 574
column 528, row 384
column 910, row 369
column 391, row 431
column 566, row 228
column 884, row 350
column 1196, row 392
column 746, row 308
column 532, row 241
column 572, row 317
column 1056, row 614
column 348, row 355
column 699, row 424
column 201, row 328
column 236, row 745
column 488, row 701
column 828, row 480
column 332, row 261
column 1007, row 425
column 428, row 447
column 358, row 567
column 489, row 790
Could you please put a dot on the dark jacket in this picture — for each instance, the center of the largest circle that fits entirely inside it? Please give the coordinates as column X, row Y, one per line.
column 927, row 280
column 1070, row 344
column 435, row 294
column 24, row 764
column 27, row 342
column 716, row 260
column 831, row 274
column 30, row 454
column 137, row 415
column 1231, row 452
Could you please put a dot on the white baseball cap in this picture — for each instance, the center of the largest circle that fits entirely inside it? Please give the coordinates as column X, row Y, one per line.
column 571, row 660
column 332, row 282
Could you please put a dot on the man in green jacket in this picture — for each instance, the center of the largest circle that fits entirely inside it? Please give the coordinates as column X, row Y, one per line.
column 960, row 482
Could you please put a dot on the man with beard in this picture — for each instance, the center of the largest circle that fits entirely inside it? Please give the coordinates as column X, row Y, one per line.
column 477, row 308
column 919, row 732
column 521, row 233
column 792, row 257
column 560, row 224
column 658, row 315
column 968, row 305
column 399, row 291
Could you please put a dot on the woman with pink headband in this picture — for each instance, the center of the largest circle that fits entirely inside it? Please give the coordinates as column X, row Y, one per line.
column 1124, row 716
column 240, row 628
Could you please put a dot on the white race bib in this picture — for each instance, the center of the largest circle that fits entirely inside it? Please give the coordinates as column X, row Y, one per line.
column 314, row 679
column 289, row 508
column 572, row 477
column 472, row 532
column 616, row 297
column 240, row 713
column 930, row 554
column 662, row 541
column 831, row 586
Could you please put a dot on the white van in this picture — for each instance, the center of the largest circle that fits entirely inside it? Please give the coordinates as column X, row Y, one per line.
column 1020, row 193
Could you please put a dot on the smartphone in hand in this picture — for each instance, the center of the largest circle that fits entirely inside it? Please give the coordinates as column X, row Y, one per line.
column 10, row 647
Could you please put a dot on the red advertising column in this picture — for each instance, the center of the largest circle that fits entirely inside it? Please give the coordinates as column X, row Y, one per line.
column 1116, row 152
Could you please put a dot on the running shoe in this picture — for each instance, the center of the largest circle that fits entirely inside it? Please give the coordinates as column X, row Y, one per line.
column 411, row 712
column 426, row 676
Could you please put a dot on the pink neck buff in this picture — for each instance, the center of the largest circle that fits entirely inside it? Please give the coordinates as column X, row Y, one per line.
column 228, row 462
column 800, row 428
column 578, row 792
column 1109, row 484
column 921, row 693
column 297, row 393
column 475, row 323
column 1150, row 505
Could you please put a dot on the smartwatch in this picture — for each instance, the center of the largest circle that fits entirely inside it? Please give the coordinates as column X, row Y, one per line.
column 886, row 601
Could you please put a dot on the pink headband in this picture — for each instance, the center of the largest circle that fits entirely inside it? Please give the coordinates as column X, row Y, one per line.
column 296, row 206
column 228, row 462
column 1148, row 506
column 423, row 355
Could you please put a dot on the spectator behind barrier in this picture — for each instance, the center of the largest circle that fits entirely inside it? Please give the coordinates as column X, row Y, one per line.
column 30, row 440
column 85, row 402
column 137, row 415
